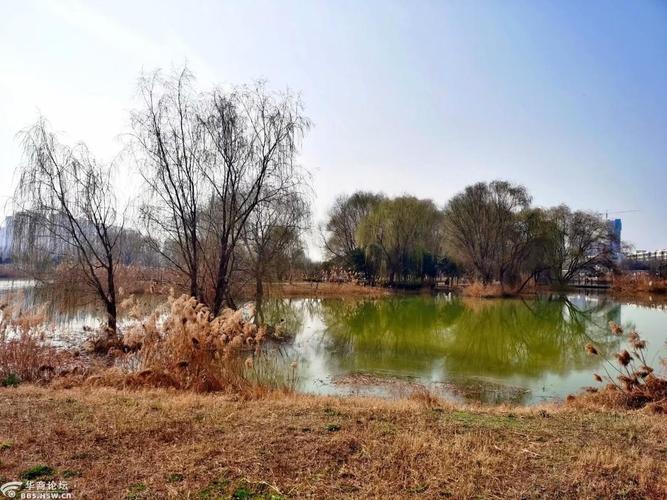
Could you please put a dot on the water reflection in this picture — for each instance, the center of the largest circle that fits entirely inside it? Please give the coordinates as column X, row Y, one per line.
column 70, row 314
column 503, row 350
column 518, row 351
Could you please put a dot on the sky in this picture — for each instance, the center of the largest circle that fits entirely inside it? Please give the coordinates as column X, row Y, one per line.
column 568, row 98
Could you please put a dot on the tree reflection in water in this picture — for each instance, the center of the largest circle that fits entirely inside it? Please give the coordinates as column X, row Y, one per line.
column 479, row 347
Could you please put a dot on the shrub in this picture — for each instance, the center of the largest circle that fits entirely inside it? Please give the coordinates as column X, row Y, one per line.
column 37, row 472
column 10, row 380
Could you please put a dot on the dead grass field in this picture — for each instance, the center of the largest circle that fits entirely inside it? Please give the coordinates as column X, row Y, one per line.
column 165, row 444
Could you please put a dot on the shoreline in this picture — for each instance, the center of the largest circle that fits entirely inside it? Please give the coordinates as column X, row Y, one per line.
column 307, row 290
column 315, row 289
column 115, row 437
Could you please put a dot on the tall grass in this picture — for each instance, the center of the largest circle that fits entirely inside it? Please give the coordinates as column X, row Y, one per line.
column 188, row 348
column 23, row 355
column 271, row 371
column 639, row 283
column 185, row 348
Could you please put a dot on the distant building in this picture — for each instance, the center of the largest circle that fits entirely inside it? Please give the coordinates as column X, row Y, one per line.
column 6, row 238
column 647, row 256
column 615, row 226
column 133, row 248
column 41, row 240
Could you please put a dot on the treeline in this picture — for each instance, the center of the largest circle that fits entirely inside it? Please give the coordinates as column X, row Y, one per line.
column 489, row 232
column 224, row 207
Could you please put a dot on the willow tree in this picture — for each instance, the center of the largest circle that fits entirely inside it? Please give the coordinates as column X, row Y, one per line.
column 400, row 232
column 65, row 212
column 344, row 219
column 485, row 231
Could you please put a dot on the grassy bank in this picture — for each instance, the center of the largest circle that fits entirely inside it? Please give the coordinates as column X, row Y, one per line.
column 156, row 444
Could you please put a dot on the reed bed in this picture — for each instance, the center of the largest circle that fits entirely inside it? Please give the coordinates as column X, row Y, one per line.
column 23, row 355
column 639, row 284
column 187, row 348
column 180, row 346
column 477, row 289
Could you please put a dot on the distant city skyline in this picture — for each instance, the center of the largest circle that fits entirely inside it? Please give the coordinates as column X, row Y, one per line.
column 566, row 98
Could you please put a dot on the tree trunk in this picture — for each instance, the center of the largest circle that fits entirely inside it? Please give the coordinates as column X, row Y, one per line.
column 110, row 300
column 531, row 275
column 111, row 315
column 221, row 281
column 259, row 287
column 259, row 312
column 194, row 287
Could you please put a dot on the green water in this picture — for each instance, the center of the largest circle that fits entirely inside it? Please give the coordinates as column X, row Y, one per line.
column 495, row 351
column 518, row 351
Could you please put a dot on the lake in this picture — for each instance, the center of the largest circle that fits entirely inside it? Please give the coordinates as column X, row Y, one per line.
column 494, row 351
column 519, row 351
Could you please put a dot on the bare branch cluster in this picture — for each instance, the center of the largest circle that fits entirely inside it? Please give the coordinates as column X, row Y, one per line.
column 211, row 161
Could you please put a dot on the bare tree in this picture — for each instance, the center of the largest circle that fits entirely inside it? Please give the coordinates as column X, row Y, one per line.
column 173, row 156
column 345, row 217
column 209, row 160
column 579, row 242
column 66, row 211
column 255, row 134
column 524, row 250
column 482, row 228
column 270, row 233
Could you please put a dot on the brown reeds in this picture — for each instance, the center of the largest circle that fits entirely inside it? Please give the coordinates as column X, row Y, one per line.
column 639, row 283
column 478, row 289
column 425, row 397
column 631, row 383
column 23, row 354
column 190, row 349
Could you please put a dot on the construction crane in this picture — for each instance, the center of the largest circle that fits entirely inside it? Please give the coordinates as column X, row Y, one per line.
column 607, row 212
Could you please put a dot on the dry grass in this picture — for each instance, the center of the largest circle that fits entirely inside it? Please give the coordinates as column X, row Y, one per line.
column 478, row 289
column 639, row 284
column 325, row 289
column 182, row 346
column 146, row 280
column 164, row 444
column 11, row 272
column 189, row 349
column 138, row 280
column 23, row 355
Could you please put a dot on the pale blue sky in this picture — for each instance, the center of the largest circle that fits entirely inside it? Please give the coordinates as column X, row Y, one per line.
column 568, row 98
